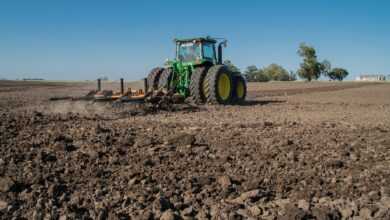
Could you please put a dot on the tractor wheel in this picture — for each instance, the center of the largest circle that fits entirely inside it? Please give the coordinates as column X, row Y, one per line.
column 218, row 85
column 165, row 79
column 239, row 89
column 153, row 78
column 196, row 89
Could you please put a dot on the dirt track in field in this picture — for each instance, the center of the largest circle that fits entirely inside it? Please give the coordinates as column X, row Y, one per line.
column 292, row 151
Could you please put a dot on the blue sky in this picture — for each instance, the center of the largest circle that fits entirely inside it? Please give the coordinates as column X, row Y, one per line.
column 69, row 39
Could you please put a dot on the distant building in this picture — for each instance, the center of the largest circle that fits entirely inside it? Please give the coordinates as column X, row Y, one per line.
column 371, row 77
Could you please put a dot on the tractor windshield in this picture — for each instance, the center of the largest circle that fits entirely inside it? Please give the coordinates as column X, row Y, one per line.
column 189, row 51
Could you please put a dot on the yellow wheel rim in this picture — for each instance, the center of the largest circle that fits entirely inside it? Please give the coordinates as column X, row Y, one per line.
column 240, row 89
column 224, row 87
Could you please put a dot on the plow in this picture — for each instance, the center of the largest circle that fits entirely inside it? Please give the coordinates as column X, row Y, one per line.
column 122, row 95
column 197, row 73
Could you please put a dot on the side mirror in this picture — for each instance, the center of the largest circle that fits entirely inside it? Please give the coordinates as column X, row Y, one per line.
column 224, row 43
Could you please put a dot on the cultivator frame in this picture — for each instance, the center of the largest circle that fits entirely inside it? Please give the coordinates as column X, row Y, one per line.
column 109, row 95
column 99, row 94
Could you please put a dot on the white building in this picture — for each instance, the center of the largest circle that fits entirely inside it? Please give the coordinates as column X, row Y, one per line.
column 371, row 77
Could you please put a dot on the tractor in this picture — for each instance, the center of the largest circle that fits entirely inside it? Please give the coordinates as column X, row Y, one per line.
column 198, row 72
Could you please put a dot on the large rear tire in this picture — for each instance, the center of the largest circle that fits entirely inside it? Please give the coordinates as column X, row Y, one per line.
column 165, row 79
column 218, row 85
column 239, row 89
column 196, row 84
column 153, row 78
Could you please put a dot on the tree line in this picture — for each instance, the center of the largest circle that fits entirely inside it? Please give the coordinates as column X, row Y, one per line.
column 309, row 69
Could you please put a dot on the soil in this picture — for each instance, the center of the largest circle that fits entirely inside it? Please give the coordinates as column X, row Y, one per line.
column 294, row 150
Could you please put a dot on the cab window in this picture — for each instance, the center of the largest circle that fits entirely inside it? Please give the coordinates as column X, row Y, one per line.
column 188, row 52
column 208, row 51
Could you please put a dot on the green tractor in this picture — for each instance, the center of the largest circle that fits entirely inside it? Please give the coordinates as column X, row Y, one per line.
column 198, row 72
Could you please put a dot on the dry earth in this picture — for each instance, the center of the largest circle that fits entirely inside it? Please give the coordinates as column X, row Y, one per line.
column 292, row 151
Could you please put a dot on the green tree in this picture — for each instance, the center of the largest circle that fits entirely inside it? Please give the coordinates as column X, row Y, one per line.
column 261, row 76
column 276, row 72
column 250, row 73
column 253, row 74
column 310, row 68
column 251, row 69
column 231, row 66
column 338, row 74
column 272, row 72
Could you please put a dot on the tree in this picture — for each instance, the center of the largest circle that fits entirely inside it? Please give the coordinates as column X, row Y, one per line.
column 231, row 66
column 272, row 72
column 251, row 69
column 253, row 74
column 292, row 76
column 261, row 76
column 276, row 72
column 310, row 68
column 338, row 74
column 250, row 73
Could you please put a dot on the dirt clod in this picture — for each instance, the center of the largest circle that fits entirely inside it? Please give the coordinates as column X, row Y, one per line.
column 6, row 184
column 181, row 139
column 168, row 215
column 3, row 205
column 224, row 181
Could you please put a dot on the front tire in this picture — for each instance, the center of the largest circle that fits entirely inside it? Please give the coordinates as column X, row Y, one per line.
column 196, row 84
column 218, row 85
column 165, row 79
column 153, row 78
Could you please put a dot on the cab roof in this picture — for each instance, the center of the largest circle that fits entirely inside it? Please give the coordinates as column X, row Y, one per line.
column 201, row 39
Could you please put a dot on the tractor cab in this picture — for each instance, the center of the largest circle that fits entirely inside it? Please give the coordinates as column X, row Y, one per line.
column 198, row 50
